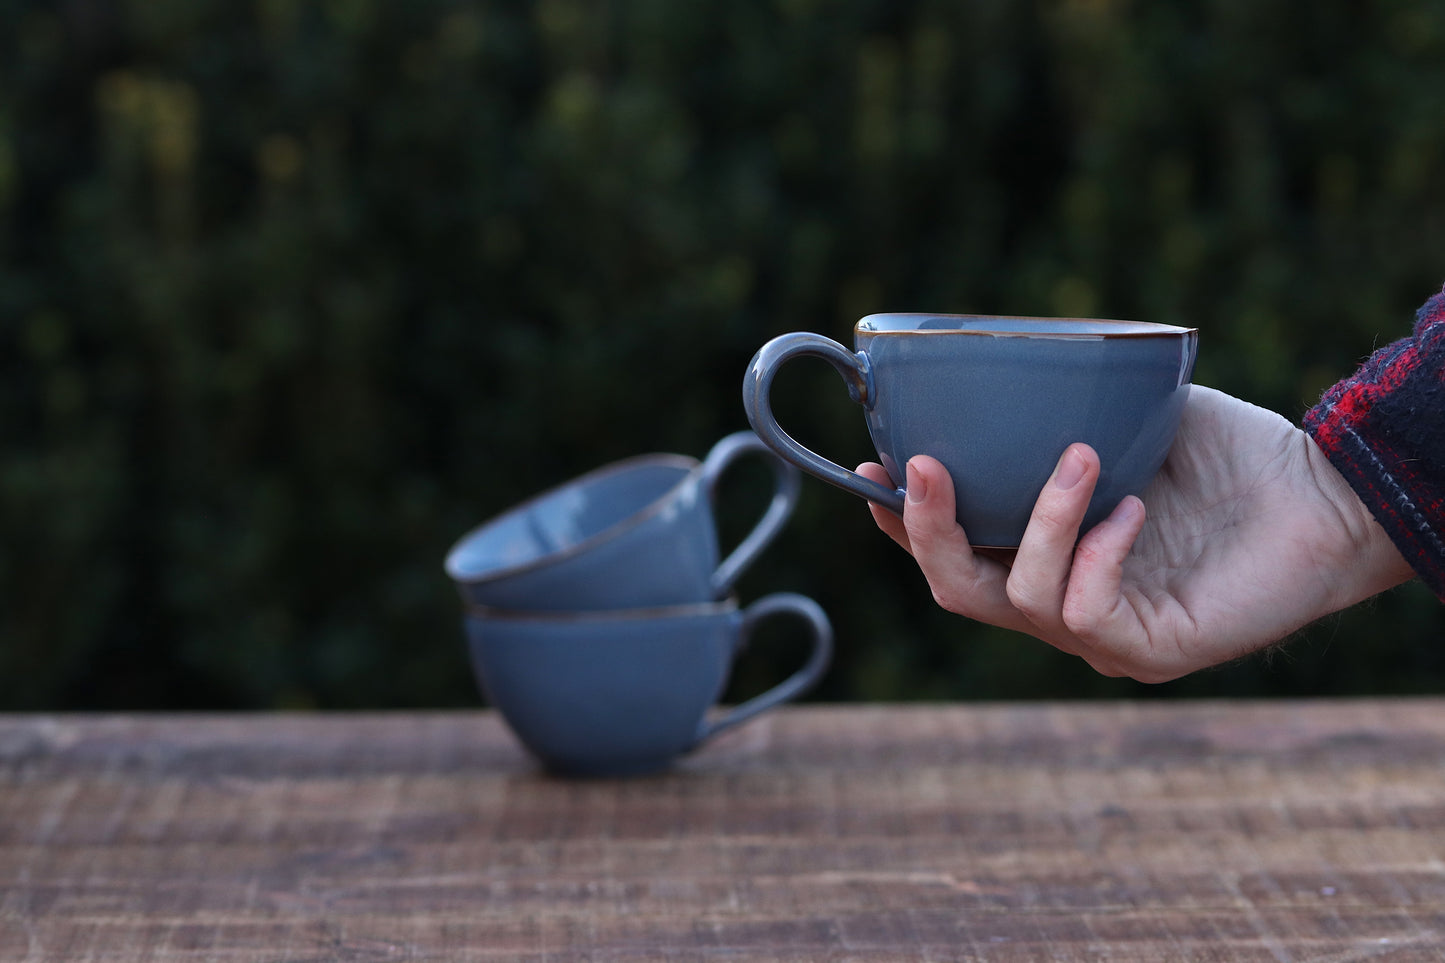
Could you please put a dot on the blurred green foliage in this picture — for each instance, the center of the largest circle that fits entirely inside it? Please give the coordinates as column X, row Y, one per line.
column 293, row 294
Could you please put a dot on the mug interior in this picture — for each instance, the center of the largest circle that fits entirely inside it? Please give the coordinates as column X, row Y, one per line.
column 1000, row 326
column 566, row 518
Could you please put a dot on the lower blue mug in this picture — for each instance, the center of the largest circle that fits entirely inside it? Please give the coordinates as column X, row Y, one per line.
column 625, row 692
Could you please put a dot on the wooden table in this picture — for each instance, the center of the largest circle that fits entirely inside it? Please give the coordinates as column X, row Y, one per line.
column 1120, row 831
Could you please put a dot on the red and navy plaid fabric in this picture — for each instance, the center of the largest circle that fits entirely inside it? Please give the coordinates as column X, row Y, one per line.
column 1384, row 430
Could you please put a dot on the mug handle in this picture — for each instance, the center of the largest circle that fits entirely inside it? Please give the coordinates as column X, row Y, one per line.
column 787, row 484
column 779, row 603
column 857, row 374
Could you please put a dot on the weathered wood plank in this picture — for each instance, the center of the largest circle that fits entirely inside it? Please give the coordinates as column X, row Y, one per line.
column 1243, row 831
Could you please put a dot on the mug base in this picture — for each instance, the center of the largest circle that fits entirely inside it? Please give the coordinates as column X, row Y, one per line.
column 621, row 769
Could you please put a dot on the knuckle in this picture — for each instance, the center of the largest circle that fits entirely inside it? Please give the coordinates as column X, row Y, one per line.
column 1029, row 597
column 1082, row 620
column 1021, row 594
column 944, row 599
column 948, row 598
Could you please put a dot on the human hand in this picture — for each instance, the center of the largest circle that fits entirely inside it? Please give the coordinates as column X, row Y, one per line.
column 1246, row 535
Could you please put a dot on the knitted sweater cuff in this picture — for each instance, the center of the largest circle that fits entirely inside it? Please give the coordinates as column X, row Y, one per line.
column 1384, row 430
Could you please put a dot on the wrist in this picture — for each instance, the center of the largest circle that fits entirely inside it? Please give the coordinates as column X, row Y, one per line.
column 1368, row 560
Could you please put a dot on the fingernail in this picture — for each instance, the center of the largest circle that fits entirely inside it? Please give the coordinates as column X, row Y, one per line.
column 1071, row 469
column 1127, row 511
column 917, row 487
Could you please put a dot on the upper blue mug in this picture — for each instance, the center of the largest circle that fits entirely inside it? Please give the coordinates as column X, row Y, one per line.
column 635, row 533
column 997, row 400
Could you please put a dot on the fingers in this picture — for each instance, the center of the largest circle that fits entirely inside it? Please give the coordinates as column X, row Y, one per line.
column 1041, row 570
column 1066, row 594
column 1094, row 609
column 1099, row 624
column 960, row 580
column 891, row 524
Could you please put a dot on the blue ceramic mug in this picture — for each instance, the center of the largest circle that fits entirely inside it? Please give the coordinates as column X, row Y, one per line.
column 996, row 400
column 636, row 533
column 626, row 692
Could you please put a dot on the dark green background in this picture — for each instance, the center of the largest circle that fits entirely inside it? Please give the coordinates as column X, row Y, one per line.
column 293, row 294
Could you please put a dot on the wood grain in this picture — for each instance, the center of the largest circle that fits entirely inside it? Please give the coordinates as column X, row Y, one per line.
column 1131, row 831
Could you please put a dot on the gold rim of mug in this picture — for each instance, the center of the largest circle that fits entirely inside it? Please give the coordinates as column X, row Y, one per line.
column 690, row 465
column 1140, row 329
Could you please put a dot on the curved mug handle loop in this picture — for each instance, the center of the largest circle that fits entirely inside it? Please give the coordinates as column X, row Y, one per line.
column 787, row 484
column 779, row 603
column 857, row 374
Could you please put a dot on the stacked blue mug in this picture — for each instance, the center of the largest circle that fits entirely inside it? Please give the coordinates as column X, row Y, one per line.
column 600, row 617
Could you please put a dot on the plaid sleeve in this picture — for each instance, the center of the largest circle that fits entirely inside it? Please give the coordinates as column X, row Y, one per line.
column 1383, row 428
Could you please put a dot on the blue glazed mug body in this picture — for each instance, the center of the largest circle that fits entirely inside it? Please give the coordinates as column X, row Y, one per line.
column 626, row 692
column 639, row 532
column 996, row 400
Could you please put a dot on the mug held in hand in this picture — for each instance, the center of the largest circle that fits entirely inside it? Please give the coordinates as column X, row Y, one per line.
column 996, row 400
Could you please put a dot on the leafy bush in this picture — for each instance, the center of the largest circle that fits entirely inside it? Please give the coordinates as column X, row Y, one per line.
column 294, row 294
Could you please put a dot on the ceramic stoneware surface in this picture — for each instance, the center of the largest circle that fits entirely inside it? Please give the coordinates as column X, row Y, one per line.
column 626, row 692
column 638, row 532
column 996, row 400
